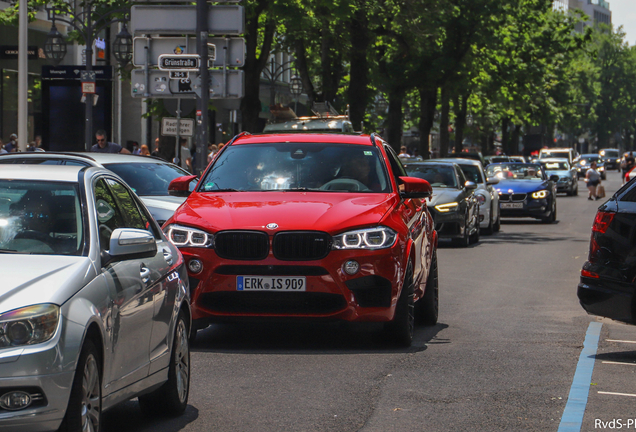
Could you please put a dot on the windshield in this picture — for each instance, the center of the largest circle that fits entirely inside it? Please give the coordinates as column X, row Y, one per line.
column 442, row 176
column 515, row 171
column 609, row 153
column 472, row 173
column 586, row 160
column 298, row 166
column 555, row 166
column 38, row 217
column 149, row 179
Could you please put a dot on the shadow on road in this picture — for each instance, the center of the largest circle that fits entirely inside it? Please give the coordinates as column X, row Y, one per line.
column 128, row 417
column 618, row 356
column 314, row 338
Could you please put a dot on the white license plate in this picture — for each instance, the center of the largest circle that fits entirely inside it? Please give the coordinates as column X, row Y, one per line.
column 511, row 205
column 270, row 283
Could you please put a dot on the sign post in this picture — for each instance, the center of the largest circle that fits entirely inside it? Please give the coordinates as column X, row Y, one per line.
column 202, row 31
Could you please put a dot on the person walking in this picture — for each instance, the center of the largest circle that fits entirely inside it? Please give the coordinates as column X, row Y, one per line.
column 155, row 150
column 185, row 155
column 592, row 179
column 144, row 150
column 103, row 146
column 12, row 145
column 629, row 165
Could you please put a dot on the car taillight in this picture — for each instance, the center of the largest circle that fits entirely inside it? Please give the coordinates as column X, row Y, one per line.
column 602, row 221
column 587, row 273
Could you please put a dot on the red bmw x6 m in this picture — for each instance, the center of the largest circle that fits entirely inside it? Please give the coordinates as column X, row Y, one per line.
column 308, row 226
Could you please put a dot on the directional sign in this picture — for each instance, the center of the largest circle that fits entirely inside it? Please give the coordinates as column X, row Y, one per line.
column 183, row 62
column 177, row 19
column 179, row 75
column 235, row 48
column 161, row 86
column 88, row 76
column 169, row 127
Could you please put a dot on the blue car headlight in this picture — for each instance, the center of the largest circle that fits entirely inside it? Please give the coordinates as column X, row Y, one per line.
column 29, row 325
column 369, row 238
column 540, row 194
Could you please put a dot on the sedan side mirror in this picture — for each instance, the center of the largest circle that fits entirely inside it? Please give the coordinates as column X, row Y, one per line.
column 181, row 186
column 492, row 181
column 129, row 243
column 412, row 187
column 470, row 185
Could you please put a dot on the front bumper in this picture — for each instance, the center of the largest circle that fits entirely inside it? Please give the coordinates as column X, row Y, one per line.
column 45, row 371
column 534, row 208
column 566, row 185
column 331, row 294
column 448, row 225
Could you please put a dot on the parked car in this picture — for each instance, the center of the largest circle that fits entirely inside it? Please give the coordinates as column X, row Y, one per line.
column 525, row 191
column 521, row 159
column 611, row 158
column 454, row 207
column 496, row 159
column 584, row 162
column 308, row 227
column 606, row 287
column 486, row 194
column 568, row 175
column 567, row 153
column 94, row 301
column 148, row 176
column 468, row 155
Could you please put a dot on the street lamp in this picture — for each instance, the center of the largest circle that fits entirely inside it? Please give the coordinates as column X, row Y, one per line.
column 381, row 105
column 82, row 22
column 296, row 89
column 275, row 72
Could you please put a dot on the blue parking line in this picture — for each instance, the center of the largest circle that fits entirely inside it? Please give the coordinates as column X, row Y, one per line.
column 572, row 418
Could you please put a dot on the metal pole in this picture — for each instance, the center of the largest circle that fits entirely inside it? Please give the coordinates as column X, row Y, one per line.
column 148, row 135
column 202, row 102
column 88, row 100
column 177, row 146
column 23, row 76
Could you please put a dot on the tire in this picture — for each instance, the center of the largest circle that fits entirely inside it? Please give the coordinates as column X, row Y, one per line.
column 604, row 176
column 402, row 327
column 428, row 306
column 553, row 214
column 576, row 189
column 84, row 410
column 171, row 399
column 489, row 230
column 463, row 241
column 475, row 237
column 497, row 226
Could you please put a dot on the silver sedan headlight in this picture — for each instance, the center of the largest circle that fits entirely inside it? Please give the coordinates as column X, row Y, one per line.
column 183, row 236
column 369, row 238
column 29, row 325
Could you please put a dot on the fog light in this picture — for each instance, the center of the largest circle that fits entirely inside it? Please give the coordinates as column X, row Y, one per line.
column 15, row 400
column 195, row 266
column 542, row 208
column 351, row 267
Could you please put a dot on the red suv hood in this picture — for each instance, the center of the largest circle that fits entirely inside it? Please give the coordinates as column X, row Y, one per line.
column 319, row 211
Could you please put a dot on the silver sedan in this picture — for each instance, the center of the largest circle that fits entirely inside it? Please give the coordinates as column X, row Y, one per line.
column 94, row 302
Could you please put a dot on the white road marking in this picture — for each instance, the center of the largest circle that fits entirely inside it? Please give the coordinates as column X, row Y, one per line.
column 620, row 341
column 619, row 363
column 617, row 394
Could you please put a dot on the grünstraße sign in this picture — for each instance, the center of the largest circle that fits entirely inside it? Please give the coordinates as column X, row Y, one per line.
column 181, row 62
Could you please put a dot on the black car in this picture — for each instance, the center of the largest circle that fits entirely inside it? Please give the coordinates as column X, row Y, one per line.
column 607, row 279
column 584, row 162
column 454, row 207
column 611, row 158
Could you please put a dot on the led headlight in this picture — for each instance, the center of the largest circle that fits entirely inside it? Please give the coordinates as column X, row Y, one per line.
column 445, row 208
column 183, row 236
column 540, row 194
column 29, row 325
column 601, row 168
column 369, row 238
column 481, row 199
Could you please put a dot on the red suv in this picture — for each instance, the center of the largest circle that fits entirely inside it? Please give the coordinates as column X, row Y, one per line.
column 308, row 226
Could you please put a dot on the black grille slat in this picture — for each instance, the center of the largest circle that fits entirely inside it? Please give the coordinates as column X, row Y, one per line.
column 276, row 303
column 242, row 245
column 301, row 245
column 271, row 270
column 515, row 197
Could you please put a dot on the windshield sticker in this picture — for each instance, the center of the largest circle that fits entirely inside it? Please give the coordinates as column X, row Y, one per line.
column 368, row 153
column 104, row 211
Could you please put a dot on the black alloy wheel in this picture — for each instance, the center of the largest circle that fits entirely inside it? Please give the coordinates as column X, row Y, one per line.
column 402, row 327
column 428, row 306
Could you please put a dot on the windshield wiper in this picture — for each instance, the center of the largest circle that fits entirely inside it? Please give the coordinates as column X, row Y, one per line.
column 224, row 190
column 10, row 251
column 302, row 189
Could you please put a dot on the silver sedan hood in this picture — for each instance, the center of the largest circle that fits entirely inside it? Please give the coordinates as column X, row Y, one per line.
column 35, row 279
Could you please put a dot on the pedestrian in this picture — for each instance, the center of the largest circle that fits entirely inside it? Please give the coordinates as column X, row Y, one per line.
column 155, row 151
column 404, row 153
column 2, row 150
column 31, row 147
column 144, row 150
column 38, row 144
column 103, row 146
column 212, row 150
column 135, row 148
column 12, row 145
column 629, row 165
column 592, row 179
column 185, row 155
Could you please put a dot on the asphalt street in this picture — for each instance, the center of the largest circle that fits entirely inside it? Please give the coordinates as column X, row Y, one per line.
column 502, row 357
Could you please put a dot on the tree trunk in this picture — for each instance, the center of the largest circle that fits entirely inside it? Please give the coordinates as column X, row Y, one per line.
column 358, row 93
column 395, row 118
column 505, row 134
column 514, row 140
column 461, row 107
column 444, row 135
column 428, row 102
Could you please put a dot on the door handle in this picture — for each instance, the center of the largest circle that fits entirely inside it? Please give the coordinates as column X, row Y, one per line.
column 144, row 272
column 167, row 256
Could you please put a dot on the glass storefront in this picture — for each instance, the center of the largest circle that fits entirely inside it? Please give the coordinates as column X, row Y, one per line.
column 9, row 104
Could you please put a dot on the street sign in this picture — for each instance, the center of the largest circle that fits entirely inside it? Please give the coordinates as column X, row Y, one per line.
column 235, row 48
column 183, row 62
column 162, row 87
column 181, row 19
column 169, row 127
column 88, row 75
column 88, row 87
column 179, row 75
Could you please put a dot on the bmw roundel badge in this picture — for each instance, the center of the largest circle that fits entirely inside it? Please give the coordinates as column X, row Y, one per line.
column 272, row 226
